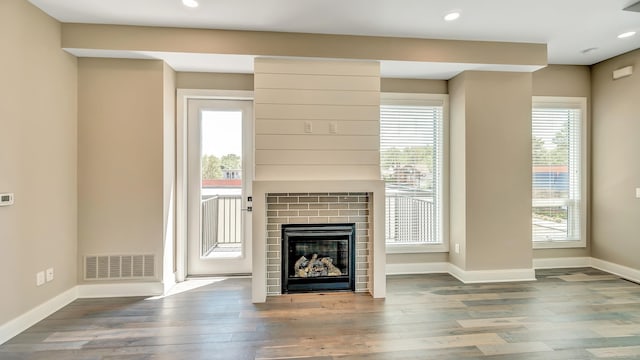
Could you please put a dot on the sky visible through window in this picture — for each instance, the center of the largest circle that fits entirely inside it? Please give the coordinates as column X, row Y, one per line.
column 221, row 133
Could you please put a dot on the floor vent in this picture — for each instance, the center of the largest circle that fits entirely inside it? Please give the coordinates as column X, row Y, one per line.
column 106, row 267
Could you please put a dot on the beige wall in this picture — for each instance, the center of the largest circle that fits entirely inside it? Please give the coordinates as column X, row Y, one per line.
column 37, row 158
column 497, row 169
column 615, row 229
column 225, row 81
column 562, row 80
column 218, row 81
column 291, row 95
column 120, row 158
column 457, row 171
column 413, row 86
column 206, row 41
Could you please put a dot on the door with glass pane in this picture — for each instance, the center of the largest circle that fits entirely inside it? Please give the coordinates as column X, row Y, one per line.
column 219, row 179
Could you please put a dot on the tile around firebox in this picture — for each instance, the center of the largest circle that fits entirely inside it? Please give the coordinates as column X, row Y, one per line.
column 317, row 208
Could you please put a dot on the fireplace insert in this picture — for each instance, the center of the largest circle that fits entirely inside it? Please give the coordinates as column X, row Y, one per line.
column 318, row 257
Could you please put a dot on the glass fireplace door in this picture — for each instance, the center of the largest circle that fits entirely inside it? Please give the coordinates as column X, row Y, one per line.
column 318, row 257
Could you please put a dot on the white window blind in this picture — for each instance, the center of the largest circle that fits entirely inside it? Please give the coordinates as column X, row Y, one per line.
column 557, row 173
column 411, row 153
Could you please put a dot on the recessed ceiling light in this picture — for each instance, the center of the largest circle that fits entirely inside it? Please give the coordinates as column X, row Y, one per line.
column 452, row 16
column 190, row 3
column 626, row 35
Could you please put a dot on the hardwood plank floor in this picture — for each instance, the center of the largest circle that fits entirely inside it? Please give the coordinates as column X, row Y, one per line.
column 566, row 314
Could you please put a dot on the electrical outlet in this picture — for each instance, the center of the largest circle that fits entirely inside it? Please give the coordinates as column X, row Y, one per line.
column 40, row 278
column 308, row 128
column 457, row 248
column 49, row 274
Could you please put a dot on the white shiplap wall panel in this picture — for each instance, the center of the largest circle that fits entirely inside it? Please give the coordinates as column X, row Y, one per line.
column 318, row 157
column 316, row 67
column 317, row 82
column 341, row 102
column 320, row 127
column 311, row 112
column 316, row 142
column 318, row 97
column 317, row 172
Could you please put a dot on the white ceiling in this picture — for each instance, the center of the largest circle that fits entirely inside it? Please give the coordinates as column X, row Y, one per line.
column 568, row 27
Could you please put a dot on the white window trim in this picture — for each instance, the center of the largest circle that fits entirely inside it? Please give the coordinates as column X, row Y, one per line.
column 427, row 100
column 572, row 103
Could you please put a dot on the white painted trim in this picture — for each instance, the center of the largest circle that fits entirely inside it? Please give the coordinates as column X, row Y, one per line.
column 417, row 268
column 182, row 98
column 620, row 270
column 168, row 283
column 120, row 290
column 488, row 276
column 559, row 263
column 581, row 104
column 416, row 248
column 443, row 231
column 14, row 327
column 466, row 276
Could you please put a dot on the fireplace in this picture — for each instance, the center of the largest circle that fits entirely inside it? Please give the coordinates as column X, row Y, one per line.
column 318, row 257
column 278, row 203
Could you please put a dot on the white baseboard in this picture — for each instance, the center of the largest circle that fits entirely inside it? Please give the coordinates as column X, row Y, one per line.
column 488, row 276
column 23, row 322
column 483, row 276
column 31, row 317
column 559, row 263
column 620, row 270
column 417, row 268
column 466, row 276
column 120, row 290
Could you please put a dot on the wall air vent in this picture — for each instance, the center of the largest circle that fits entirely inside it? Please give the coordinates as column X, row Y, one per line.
column 108, row 267
column 633, row 7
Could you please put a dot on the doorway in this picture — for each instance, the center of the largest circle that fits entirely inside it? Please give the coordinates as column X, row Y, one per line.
column 219, row 170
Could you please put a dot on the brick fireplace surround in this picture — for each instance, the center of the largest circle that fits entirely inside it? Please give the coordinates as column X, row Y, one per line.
column 317, row 208
column 287, row 202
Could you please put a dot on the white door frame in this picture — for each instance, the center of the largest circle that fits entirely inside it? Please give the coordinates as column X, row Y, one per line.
column 183, row 96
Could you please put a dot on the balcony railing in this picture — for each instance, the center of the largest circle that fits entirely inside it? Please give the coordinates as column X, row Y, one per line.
column 410, row 219
column 221, row 223
column 556, row 219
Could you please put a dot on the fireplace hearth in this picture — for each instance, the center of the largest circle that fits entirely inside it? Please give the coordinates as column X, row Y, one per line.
column 318, row 257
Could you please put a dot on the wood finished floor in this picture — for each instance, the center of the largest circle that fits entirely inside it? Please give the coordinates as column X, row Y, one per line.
column 566, row 314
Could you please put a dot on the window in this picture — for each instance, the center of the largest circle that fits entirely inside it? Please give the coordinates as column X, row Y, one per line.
column 412, row 155
column 558, row 172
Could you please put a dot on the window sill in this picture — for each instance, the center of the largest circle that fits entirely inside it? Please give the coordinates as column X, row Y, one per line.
column 559, row 244
column 416, row 248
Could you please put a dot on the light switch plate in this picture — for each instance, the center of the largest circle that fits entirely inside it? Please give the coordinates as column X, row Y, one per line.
column 40, row 278
column 49, row 274
column 638, row 193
